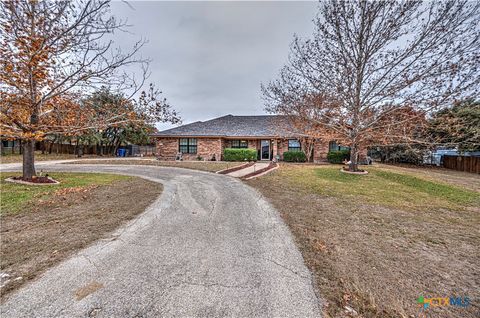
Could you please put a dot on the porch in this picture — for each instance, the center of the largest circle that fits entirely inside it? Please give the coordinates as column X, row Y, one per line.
column 267, row 149
column 273, row 148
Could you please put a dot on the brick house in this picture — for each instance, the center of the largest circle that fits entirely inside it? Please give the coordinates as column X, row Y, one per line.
column 270, row 135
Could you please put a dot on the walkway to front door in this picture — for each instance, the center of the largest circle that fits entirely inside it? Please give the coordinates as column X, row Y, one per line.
column 248, row 170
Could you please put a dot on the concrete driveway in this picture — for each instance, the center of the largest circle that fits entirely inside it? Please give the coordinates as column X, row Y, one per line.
column 210, row 246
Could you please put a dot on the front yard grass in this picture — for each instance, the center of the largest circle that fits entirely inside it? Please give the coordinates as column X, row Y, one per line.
column 15, row 158
column 383, row 187
column 16, row 197
column 377, row 242
column 209, row 166
column 42, row 225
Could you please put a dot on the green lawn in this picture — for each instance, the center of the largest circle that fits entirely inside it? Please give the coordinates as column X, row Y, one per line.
column 383, row 188
column 16, row 196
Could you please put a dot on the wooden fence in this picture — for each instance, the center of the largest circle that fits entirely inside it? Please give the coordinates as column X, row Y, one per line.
column 72, row 149
column 148, row 150
column 462, row 163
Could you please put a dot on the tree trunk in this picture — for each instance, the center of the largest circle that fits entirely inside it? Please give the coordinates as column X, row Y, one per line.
column 353, row 166
column 75, row 149
column 28, row 159
column 59, row 143
column 115, row 148
column 50, row 148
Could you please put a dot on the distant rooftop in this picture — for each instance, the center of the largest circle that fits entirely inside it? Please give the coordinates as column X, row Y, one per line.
column 235, row 126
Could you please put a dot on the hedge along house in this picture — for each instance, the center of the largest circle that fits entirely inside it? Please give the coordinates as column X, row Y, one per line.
column 270, row 135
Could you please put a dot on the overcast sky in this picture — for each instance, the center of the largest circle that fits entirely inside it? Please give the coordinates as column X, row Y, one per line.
column 209, row 58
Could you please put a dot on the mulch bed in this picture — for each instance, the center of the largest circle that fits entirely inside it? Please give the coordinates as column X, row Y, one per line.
column 358, row 171
column 42, row 179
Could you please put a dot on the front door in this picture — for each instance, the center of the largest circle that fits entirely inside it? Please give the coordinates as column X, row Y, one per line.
column 265, row 150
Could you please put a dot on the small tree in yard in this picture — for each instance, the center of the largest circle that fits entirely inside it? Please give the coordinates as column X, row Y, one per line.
column 374, row 70
column 52, row 53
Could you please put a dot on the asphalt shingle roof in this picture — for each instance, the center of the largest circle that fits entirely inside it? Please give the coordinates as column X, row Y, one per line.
column 235, row 126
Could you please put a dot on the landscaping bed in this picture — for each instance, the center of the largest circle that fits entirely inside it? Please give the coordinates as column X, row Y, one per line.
column 41, row 226
column 43, row 180
column 210, row 166
column 375, row 243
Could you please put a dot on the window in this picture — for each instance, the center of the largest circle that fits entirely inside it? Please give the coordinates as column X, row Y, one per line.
column 333, row 146
column 239, row 144
column 294, row 145
column 187, row 145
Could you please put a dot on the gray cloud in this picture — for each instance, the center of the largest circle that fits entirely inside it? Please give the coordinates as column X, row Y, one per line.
column 209, row 58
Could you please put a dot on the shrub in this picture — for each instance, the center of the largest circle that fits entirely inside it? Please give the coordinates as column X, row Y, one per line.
column 294, row 156
column 338, row 156
column 233, row 154
column 399, row 154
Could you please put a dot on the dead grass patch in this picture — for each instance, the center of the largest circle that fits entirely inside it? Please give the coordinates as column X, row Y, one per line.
column 51, row 227
column 376, row 243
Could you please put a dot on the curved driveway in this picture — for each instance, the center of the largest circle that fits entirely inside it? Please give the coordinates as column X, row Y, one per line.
column 210, row 246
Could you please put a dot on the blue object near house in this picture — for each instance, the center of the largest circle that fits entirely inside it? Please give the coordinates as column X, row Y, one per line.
column 121, row 152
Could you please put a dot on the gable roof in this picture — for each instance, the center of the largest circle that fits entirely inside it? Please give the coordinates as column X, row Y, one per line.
column 235, row 126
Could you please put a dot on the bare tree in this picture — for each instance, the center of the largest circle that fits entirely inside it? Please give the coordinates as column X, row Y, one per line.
column 54, row 52
column 374, row 69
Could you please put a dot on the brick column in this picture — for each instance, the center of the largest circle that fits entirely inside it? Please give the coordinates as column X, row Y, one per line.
column 275, row 148
column 320, row 150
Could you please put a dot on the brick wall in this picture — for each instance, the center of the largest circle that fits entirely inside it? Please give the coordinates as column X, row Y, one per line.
column 253, row 144
column 282, row 147
column 206, row 148
column 320, row 150
column 167, row 148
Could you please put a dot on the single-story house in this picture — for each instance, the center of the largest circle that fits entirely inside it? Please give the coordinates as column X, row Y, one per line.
column 270, row 135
